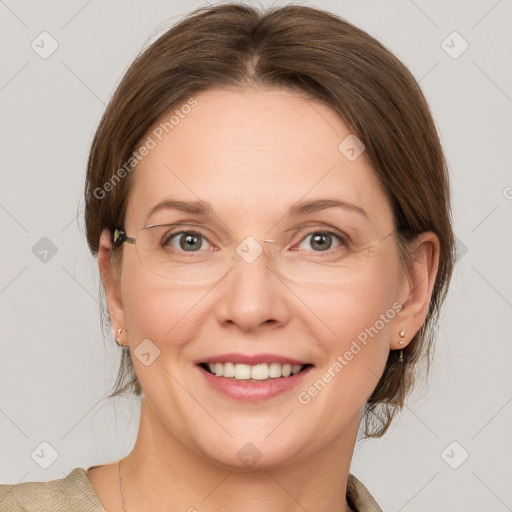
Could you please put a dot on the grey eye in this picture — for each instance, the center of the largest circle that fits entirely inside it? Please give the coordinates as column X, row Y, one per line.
column 319, row 241
column 188, row 241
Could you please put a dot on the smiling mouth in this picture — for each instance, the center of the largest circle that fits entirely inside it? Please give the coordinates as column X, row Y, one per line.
column 253, row 373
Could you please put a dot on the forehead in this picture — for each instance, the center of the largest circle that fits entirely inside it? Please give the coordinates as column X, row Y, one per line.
column 251, row 153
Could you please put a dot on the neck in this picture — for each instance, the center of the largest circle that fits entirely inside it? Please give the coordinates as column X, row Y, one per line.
column 161, row 471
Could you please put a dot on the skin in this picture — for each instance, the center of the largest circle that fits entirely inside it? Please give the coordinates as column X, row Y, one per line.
column 251, row 153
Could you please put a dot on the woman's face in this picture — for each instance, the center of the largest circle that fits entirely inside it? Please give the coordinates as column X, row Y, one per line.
column 251, row 155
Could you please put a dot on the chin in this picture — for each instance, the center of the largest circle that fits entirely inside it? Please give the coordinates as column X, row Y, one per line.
column 254, row 450
column 249, row 457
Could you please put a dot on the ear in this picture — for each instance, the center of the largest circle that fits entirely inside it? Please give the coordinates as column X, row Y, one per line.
column 416, row 290
column 111, row 282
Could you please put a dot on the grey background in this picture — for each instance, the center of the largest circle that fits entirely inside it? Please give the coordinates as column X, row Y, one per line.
column 55, row 367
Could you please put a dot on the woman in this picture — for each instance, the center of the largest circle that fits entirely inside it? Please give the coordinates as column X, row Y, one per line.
column 269, row 203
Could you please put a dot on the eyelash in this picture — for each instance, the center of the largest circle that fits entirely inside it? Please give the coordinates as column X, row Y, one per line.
column 342, row 238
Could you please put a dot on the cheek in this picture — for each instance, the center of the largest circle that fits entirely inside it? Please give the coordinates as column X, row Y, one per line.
column 164, row 314
column 159, row 311
column 350, row 308
column 357, row 322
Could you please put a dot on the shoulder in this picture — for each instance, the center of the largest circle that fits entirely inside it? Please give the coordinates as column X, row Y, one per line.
column 73, row 492
column 359, row 497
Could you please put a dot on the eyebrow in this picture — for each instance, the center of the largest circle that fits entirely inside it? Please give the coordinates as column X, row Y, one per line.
column 297, row 209
column 315, row 205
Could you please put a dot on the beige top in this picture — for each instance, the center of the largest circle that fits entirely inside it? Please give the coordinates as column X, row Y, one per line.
column 74, row 493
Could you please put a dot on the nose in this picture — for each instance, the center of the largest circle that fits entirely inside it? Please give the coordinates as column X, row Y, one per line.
column 252, row 293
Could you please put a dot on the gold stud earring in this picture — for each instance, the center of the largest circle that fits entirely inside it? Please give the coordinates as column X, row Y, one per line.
column 401, row 342
column 118, row 333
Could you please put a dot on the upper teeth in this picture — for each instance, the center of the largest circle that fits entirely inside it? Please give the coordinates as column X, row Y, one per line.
column 256, row 372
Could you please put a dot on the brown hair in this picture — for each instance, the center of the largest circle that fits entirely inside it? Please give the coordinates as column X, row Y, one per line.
column 320, row 55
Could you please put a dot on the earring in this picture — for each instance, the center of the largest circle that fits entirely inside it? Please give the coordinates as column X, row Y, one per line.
column 118, row 333
column 401, row 342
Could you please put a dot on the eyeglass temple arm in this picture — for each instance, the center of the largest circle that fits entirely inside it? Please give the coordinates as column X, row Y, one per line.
column 120, row 237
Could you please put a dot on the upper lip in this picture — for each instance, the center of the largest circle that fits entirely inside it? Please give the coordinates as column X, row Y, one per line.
column 251, row 360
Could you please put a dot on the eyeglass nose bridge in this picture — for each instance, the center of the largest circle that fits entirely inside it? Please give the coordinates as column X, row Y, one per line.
column 251, row 248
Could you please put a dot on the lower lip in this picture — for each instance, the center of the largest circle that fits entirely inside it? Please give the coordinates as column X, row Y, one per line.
column 253, row 391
